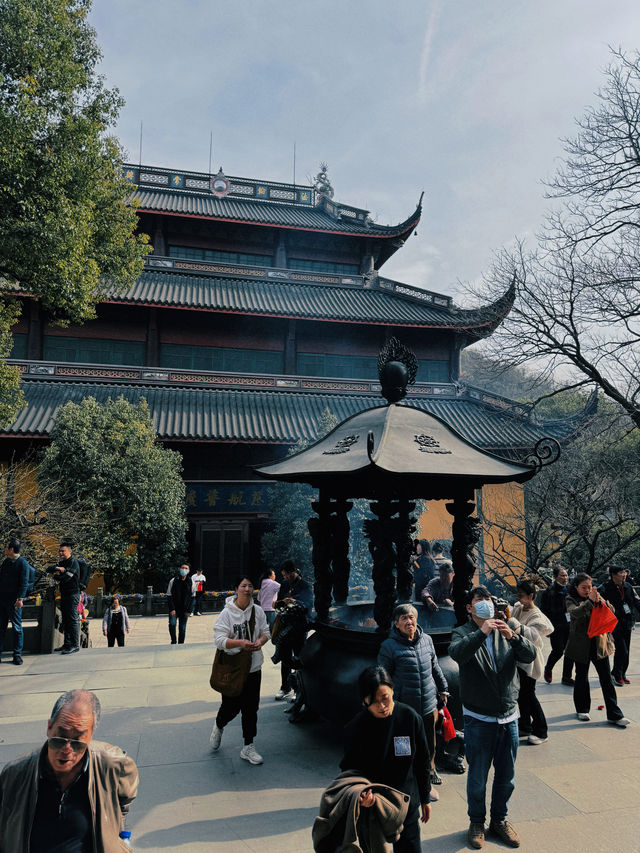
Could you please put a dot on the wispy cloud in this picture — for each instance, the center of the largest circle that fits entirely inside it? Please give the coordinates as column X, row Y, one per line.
column 432, row 24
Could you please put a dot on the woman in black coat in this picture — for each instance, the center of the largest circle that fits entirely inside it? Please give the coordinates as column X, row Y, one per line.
column 622, row 596
column 386, row 744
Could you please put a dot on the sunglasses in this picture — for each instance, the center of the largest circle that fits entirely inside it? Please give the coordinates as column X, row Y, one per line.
column 57, row 743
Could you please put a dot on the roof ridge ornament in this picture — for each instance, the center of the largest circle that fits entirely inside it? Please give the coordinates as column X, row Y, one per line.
column 546, row 452
column 321, row 184
column 220, row 184
column 397, row 368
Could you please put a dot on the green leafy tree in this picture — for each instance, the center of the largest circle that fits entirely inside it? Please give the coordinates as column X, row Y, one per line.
column 67, row 227
column 105, row 461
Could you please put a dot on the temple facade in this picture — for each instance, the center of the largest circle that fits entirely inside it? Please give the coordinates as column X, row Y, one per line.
column 261, row 305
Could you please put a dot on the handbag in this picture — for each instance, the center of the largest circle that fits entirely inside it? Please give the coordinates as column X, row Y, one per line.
column 229, row 672
column 602, row 621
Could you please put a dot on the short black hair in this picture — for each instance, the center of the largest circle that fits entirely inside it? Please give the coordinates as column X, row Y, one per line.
column 437, row 546
column 613, row 570
column 371, row 678
column 527, row 587
column 67, row 543
column 579, row 578
column 478, row 592
column 288, row 566
column 14, row 543
column 557, row 569
column 238, row 580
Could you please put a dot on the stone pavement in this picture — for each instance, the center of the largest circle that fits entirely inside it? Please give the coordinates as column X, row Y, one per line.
column 579, row 791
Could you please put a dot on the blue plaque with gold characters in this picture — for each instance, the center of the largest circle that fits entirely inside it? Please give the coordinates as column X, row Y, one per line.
column 177, row 181
column 130, row 174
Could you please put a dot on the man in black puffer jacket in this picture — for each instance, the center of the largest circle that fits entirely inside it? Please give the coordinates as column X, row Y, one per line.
column 410, row 659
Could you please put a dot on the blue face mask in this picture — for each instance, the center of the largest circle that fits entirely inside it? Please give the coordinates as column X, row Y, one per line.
column 484, row 609
column 184, row 572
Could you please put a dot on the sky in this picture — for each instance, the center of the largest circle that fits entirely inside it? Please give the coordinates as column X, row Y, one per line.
column 467, row 101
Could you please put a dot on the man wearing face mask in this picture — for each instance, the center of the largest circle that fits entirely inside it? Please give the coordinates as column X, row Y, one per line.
column 487, row 651
column 179, row 599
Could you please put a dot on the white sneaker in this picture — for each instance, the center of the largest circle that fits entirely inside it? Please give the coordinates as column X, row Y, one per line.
column 287, row 695
column 280, row 695
column 215, row 737
column 622, row 722
column 584, row 717
column 535, row 740
column 249, row 754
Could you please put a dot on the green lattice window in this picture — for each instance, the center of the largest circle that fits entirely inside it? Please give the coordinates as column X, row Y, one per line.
column 221, row 358
column 362, row 367
column 322, row 266
column 93, row 350
column 218, row 256
column 433, row 371
column 339, row 366
column 19, row 348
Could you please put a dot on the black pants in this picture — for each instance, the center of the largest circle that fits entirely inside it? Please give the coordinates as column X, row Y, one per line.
column 429, row 721
column 288, row 650
column 70, row 619
column 532, row 719
column 113, row 636
column 246, row 704
column 181, row 620
column 581, row 693
column 409, row 841
column 622, row 638
column 197, row 605
column 558, row 643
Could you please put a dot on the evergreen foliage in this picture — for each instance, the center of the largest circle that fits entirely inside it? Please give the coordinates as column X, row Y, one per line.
column 66, row 225
column 105, row 461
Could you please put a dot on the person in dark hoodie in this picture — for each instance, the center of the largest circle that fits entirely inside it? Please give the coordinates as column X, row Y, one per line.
column 622, row 597
column 14, row 578
column 179, row 599
column 553, row 603
column 424, row 568
column 408, row 655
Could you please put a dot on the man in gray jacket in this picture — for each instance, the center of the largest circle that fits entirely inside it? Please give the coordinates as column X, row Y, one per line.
column 487, row 652
column 70, row 794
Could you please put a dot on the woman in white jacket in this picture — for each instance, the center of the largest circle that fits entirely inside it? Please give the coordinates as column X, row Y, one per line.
column 232, row 633
column 534, row 626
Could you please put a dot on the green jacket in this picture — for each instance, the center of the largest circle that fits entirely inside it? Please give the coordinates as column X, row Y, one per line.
column 483, row 689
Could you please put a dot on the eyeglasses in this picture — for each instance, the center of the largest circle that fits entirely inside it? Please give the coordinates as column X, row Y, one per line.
column 57, row 743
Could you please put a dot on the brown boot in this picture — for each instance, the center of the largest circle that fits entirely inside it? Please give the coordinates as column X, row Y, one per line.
column 505, row 832
column 475, row 835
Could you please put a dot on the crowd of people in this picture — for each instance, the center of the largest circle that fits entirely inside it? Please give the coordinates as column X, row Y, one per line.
column 388, row 777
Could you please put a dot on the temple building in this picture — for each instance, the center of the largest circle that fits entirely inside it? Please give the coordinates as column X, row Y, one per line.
column 261, row 305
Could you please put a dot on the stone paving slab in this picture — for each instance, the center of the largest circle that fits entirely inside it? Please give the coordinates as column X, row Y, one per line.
column 579, row 791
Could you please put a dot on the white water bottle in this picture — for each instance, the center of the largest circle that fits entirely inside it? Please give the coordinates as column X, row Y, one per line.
column 125, row 835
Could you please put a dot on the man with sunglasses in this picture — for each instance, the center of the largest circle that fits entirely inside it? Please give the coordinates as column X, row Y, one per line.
column 73, row 793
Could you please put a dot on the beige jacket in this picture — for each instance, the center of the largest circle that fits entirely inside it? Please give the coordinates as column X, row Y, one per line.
column 536, row 626
column 343, row 825
column 113, row 785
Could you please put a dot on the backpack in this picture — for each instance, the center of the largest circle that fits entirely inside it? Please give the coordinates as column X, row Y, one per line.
column 32, row 575
column 85, row 574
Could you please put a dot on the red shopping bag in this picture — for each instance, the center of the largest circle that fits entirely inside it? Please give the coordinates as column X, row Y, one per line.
column 602, row 621
column 448, row 728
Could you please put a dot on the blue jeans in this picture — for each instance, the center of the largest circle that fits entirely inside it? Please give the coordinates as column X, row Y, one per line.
column 182, row 627
column 486, row 744
column 13, row 614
